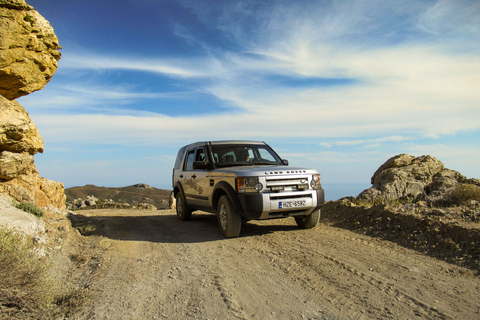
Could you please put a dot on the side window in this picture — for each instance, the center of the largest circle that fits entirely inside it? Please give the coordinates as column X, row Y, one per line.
column 189, row 160
column 200, row 155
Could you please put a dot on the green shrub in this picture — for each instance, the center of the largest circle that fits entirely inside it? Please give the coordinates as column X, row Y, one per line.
column 29, row 207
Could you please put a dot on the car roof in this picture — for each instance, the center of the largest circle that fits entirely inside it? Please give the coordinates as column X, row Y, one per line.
column 220, row 142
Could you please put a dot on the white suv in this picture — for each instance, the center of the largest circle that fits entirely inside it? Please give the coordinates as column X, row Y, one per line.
column 244, row 179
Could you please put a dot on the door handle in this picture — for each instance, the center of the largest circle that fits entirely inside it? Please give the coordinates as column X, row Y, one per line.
column 194, row 176
column 181, row 176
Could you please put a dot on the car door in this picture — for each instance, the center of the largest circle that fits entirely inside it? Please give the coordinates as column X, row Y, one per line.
column 195, row 184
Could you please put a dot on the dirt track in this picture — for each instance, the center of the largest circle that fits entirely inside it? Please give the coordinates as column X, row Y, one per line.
column 156, row 267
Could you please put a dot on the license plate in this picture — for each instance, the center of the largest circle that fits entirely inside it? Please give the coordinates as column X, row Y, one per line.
column 292, row 204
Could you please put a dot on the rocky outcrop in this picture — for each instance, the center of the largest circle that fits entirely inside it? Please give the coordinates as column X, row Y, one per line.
column 17, row 131
column 405, row 177
column 91, row 202
column 28, row 49
column 14, row 164
column 28, row 59
column 417, row 203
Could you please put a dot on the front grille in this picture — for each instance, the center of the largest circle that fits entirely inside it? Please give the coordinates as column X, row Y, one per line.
column 292, row 183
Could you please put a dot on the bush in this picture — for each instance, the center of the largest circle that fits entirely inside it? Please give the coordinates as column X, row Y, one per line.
column 464, row 193
column 29, row 207
column 25, row 286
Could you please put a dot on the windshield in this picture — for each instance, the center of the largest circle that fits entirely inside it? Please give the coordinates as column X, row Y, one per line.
column 243, row 155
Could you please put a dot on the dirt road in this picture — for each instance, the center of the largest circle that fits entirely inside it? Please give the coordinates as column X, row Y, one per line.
column 157, row 267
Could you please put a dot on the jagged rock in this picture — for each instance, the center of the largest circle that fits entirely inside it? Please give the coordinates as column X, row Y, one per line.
column 28, row 59
column 142, row 186
column 35, row 189
column 28, row 49
column 14, row 164
column 91, row 202
column 17, row 131
column 406, row 177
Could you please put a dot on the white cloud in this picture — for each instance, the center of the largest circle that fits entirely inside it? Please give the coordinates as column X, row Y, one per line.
column 452, row 17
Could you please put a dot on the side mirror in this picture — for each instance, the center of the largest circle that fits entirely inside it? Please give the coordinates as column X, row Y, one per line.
column 285, row 162
column 200, row 165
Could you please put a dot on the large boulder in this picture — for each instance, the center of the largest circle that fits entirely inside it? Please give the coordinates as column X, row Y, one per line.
column 411, row 178
column 28, row 49
column 28, row 59
column 17, row 131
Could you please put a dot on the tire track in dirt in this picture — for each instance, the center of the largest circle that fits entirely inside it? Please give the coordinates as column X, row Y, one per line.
column 160, row 268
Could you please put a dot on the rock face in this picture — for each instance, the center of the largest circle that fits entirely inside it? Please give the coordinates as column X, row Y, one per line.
column 17, row 131
column 409, row 178
column 28, row 49
column 28, row 59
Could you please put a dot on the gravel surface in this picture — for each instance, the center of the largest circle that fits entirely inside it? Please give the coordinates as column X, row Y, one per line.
column 153, row 266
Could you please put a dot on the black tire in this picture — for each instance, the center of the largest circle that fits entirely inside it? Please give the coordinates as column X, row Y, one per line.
column 184, row 213
column 310, row 221
column 229, row 219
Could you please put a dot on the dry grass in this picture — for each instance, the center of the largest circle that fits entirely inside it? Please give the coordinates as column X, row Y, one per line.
column 464, row 193
column 27, row 290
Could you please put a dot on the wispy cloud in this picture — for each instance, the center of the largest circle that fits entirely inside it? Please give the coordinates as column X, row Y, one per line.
column 452, row 18
column 186, row 68
column 365, row 142
column 344, row 74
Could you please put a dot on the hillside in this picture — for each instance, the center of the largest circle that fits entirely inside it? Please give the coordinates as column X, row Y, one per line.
column 134, row 195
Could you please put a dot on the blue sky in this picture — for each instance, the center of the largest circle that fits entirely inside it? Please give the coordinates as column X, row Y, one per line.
column 340, row 86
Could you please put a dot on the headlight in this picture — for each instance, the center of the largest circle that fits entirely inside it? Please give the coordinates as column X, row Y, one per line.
column 248, row 184
column 315, row 183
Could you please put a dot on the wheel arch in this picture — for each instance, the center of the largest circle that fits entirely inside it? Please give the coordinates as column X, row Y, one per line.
column 222, row 188
column 177, row 189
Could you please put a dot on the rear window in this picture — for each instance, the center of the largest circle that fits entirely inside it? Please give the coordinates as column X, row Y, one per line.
column 178, row 161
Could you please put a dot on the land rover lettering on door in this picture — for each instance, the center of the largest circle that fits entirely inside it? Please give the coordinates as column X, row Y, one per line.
column 244, row 180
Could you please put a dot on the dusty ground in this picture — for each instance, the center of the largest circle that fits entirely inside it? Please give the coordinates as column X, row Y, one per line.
column 156, row 267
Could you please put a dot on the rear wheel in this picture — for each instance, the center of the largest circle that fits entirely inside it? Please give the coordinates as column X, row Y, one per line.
column 310, row 221
column 229, row 219
column 184, row 213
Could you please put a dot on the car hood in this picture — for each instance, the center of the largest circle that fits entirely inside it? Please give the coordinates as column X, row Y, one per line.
column 265, row 170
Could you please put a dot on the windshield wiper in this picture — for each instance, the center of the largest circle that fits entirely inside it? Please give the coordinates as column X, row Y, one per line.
column 259, row 163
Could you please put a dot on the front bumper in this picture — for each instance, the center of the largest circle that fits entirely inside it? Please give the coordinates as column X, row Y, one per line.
column 260, row 206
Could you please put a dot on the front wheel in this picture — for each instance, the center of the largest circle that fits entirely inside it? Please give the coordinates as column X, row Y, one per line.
column 184, row 213
column 310, row 221
column 229, row 219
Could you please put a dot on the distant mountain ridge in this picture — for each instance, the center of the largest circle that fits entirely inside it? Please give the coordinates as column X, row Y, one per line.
column 136, row 194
